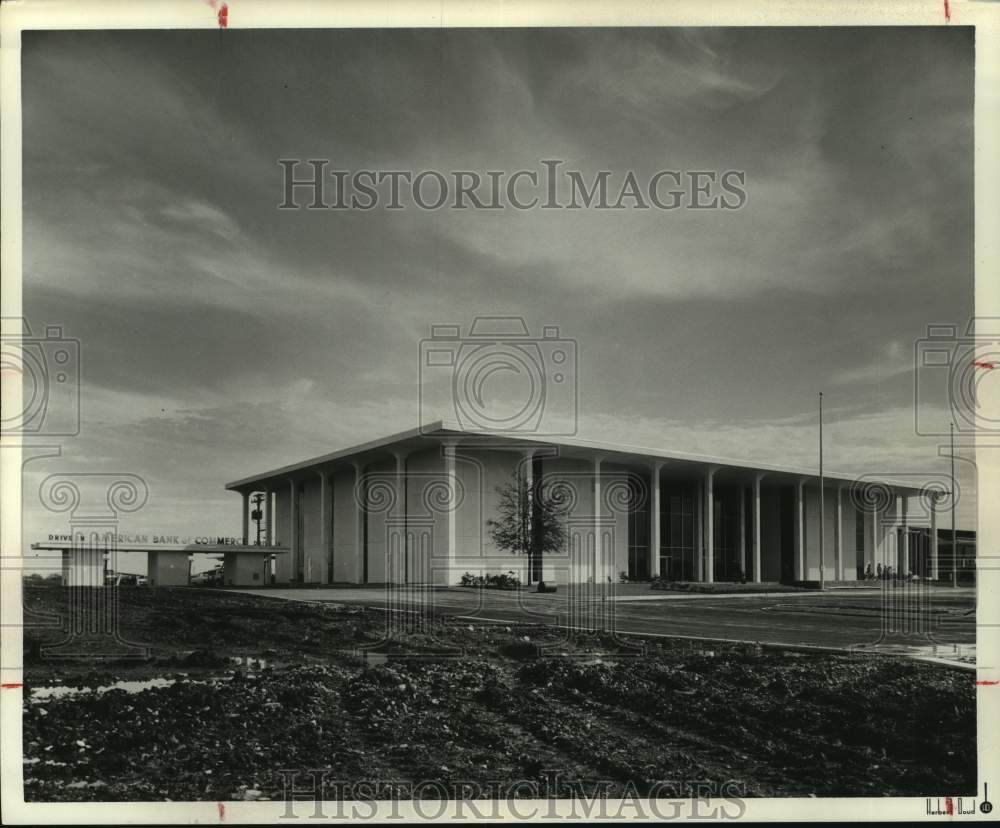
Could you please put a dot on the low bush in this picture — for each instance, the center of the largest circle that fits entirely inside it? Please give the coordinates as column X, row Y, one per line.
column 625, row 578
column 504, row 580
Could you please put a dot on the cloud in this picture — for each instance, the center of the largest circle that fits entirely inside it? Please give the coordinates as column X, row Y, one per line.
column 220, row 335
column 204, row 216
column 894, row 360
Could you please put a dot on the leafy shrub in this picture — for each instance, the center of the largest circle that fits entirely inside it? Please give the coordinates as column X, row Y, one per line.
column 625, row 578
column 504, row 580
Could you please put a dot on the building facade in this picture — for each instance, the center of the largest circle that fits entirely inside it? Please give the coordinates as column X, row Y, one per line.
column 413, row 508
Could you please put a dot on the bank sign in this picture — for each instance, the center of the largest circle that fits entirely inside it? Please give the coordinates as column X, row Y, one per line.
column 154, row 540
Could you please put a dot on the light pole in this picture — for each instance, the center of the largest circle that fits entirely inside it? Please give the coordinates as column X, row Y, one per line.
column 822, row 503
column 257, row 514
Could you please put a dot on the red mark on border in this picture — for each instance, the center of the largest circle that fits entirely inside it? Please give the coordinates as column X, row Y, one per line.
column 947, row 11
column 989, row 366
column 949, row 806
column 222, row 812
column 11, row 686
column 223, row 13
column 986, row 683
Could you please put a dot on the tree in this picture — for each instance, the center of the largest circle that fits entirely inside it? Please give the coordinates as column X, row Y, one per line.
column 530, row 521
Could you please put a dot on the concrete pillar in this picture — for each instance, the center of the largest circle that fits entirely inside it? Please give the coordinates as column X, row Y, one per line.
column 171, row 568
column 709, row 525
column 400, row 568
column 325, row 524
column 902, row 502
column 245, row 533
column 934, row 538
column 83, row 566
column 451, row 476
column 361, row 575
column 897, row 523
column 268, row 517
column 743, row 529
column 654, row 520
column 871, row 530
column 699, row 525
column 876, row 556
column 757, row 574
column 799, row 530
column 293, row 530
column 66, row 568
column 601, row 564
column 838, row 537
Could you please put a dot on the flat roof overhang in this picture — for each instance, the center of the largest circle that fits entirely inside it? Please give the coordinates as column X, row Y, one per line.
column 212, row 549
column 685, row 464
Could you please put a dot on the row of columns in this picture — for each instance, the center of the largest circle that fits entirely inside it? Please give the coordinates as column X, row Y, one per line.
column 704, row 539
column 704, row 529
column 901, row 524
column 325, row 512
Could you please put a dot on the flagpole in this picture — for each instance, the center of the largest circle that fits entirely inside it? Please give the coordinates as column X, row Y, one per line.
column 954, row 534
column 822, row 503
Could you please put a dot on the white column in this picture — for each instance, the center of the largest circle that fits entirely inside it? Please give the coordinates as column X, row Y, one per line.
column 876, row 550
column 268, row 517
column 359, row 523
column 600, row 560
column 904, row 541
column 799, row 530
column 401, row 566
column 245, row 532
column 757, row 574
column 899, row 530
column 450, row 474
column 838, row 537
column 822, row 534
column 654, row 520
column 699, row 525
column 934, row 538
column 293, row 534
column 709, row 525
column 324, row 524
column 743, row 529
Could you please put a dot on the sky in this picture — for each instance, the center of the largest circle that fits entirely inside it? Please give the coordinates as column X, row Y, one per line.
column 220, row 336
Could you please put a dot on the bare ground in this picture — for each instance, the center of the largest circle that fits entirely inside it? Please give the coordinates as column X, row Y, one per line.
column 442, row 701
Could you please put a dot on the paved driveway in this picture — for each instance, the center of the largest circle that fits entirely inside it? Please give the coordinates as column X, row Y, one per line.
column 902, row 620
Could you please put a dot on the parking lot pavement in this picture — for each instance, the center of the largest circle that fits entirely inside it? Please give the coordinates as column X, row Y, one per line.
column 900, row 620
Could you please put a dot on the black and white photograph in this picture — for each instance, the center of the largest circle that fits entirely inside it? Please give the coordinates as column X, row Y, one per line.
column 410, row 414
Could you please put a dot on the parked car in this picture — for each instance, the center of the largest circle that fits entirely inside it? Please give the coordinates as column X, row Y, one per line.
column 125, row 579
column 210, row 577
